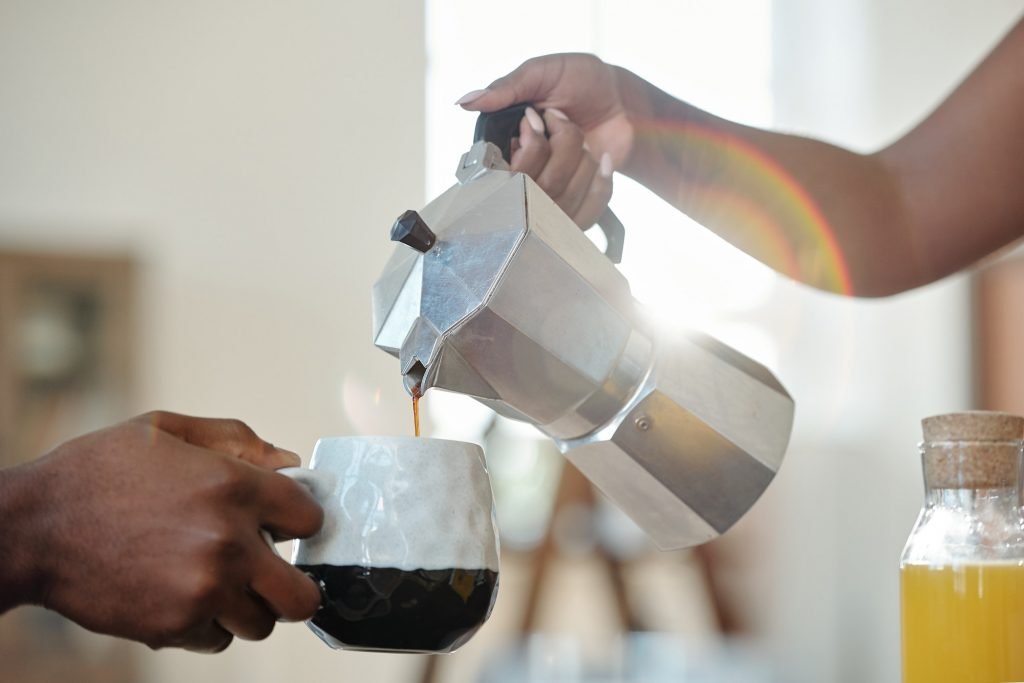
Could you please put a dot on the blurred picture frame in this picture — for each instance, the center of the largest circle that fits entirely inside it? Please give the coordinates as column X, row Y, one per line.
column 67, row 366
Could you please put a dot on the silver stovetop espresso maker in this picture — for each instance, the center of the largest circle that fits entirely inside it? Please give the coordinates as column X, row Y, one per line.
column 495, row 293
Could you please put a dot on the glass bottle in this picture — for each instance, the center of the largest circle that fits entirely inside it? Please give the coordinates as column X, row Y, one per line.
column 962, row 570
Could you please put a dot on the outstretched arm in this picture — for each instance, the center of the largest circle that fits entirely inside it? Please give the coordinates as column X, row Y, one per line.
column 943, row 196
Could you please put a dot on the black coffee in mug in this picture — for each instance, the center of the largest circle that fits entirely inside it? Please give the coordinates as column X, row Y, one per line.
column 384, row 608
column 407, row 557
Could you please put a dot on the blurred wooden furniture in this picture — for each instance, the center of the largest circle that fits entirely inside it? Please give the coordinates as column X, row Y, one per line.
column 999, row 335
column 66, row 366
column 575, row 490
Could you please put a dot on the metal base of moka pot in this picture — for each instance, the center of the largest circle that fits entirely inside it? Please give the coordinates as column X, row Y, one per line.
column 664, row 458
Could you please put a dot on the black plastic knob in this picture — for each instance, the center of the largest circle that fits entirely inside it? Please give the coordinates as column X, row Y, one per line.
column 411, row 229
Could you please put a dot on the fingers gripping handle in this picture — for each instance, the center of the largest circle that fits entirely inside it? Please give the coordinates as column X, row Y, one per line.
column 315, row 481
column 499, row 127
column 319, row 487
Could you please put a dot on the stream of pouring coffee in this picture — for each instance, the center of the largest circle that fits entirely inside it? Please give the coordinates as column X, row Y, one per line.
column 416, row 394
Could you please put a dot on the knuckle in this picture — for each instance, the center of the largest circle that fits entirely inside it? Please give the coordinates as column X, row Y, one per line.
column 532, row 63
column 166, row 633
column 223, row 549
column 568, row 203
column 227, row 480
column 187, row 617
column 262, row 628
column 570, row 135
column 200, row 594
column 137, row 436
column 554, row 183
column 155, row 642
column 220, row 643
column 209, row 643
column 240, row 430
column 531, row 66
column 154, row 419
column 173, row 629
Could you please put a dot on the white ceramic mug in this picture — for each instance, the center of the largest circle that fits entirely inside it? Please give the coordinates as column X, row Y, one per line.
column 407, row 558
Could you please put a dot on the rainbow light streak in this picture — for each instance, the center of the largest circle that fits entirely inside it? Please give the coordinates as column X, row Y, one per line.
column 785, row 226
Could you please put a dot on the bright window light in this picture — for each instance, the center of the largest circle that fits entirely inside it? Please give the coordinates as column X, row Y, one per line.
column 715, row 54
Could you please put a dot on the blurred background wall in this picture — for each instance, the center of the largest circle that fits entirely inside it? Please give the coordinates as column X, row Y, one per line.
column 252, row 156
column 860, row 73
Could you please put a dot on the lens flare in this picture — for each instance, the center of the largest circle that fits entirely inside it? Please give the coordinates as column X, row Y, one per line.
column 783, row 225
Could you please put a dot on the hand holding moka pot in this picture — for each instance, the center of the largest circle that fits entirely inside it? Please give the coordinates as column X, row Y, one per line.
column 497, row 294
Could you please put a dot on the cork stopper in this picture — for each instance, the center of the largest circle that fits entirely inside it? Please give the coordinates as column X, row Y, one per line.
column 974, row 449
column 973, row 425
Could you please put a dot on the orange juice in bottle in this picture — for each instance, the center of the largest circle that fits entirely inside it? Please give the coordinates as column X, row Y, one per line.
column 962, row 570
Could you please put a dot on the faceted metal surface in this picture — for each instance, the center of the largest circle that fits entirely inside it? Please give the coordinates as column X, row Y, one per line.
column 515, row 306
column 695, row 447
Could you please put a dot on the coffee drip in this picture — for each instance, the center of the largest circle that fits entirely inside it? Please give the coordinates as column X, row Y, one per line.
column 416, row 395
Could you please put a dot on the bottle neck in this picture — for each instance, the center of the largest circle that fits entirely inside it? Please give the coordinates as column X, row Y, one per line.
column 973, row 475
column 974, row 501
column 972, row 510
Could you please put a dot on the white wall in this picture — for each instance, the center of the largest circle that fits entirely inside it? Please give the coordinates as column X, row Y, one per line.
column 858, row 73
column 254, row 156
